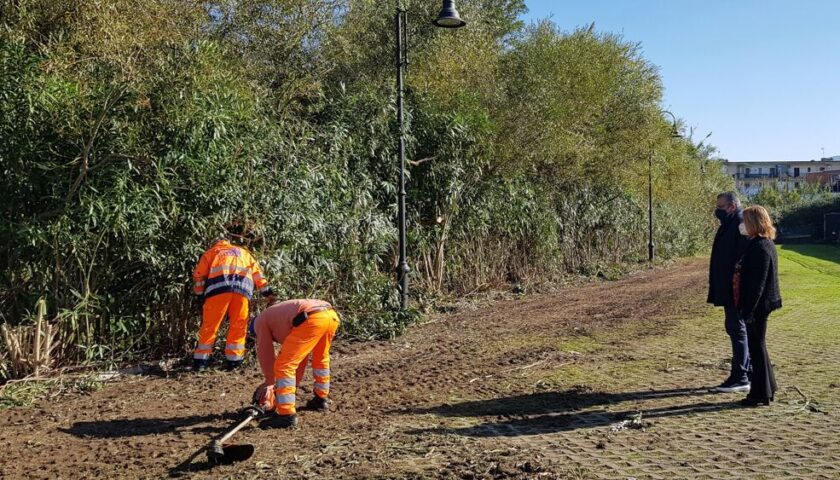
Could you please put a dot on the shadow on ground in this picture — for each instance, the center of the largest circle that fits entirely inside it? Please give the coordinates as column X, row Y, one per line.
column 190, row 465
column 551, row 412
column 138, row 427
column 551, row 402
column 827, row 252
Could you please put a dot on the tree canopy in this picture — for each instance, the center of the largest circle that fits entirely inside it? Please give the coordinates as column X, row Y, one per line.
column 134, row 130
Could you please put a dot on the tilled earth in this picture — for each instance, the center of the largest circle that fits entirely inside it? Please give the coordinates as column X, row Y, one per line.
column 544, row 386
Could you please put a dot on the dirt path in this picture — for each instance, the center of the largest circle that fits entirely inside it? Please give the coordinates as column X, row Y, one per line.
column 526, row 388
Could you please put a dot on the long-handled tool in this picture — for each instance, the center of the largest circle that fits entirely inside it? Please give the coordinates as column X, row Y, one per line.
column 219, row 453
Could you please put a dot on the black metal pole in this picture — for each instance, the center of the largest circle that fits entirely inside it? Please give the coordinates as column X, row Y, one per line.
column 402, row 267
column 650, row 208
column 674, row 134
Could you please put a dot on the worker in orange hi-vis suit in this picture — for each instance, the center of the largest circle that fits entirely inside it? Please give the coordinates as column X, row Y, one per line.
column 302, row 327
column 225, row 279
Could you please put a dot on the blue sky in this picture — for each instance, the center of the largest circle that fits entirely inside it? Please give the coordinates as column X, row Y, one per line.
column 762, row 75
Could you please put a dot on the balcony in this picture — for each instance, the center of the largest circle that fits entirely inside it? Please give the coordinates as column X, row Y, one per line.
column 744, row 176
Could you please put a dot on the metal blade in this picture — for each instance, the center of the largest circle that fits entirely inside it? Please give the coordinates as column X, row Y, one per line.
column 229, row 454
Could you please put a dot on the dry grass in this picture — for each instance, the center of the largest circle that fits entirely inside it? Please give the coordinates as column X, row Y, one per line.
column 29, row 347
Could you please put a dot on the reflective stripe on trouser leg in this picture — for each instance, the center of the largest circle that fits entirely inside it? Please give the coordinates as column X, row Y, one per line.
column 203, row 351
column 321, row 353
column 322, row 381
column 237, row 329
column 284, row 395
column 298, row 345
column 234, row 352
column 213, row 312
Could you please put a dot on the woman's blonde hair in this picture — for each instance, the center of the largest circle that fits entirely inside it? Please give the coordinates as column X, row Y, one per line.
column 758, row 222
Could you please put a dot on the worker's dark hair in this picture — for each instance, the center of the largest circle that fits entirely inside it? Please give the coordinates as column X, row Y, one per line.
column 731, row 197
column 235, row 227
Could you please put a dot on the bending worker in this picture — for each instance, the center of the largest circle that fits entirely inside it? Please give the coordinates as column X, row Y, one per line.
column 303, row 327
column 225, row 279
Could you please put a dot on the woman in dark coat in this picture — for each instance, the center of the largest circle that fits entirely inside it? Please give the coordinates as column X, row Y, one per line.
column 756, row 288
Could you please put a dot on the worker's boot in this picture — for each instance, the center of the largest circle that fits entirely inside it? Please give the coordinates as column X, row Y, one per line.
column 199, row 365
column 231, row 365
column 318, row 404
column 283, row 421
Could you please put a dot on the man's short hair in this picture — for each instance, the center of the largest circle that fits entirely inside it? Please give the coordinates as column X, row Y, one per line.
column 731, row 197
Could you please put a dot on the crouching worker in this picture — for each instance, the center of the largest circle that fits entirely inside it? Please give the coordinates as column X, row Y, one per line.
column 302, row 327
column 225, row 279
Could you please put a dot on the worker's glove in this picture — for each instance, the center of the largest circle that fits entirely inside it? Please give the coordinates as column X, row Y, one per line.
column 264, row 397
column 253, row 411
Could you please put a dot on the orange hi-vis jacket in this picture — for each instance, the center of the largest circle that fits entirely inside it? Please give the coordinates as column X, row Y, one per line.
column 225, row 268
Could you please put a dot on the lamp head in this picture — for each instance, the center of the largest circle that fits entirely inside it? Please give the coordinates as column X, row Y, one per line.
column 448, row 16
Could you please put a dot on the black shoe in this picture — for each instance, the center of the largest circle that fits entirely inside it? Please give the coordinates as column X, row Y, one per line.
column 200, row 365
column 755, row 402
column 318, row 404
column 231, row 365
column 282, row 421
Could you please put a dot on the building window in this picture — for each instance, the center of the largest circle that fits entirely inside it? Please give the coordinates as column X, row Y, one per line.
column 809, row 169
column 773, row 171
column 747, row 185
column 796, row 185
column 748, row 171
column 796, row 171
column 822, row 169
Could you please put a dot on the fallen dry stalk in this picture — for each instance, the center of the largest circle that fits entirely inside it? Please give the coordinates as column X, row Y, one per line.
column 524, row 367
column 807, row 405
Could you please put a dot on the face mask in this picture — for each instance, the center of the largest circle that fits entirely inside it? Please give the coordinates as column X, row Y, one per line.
column 743, row 229
column 721, row 214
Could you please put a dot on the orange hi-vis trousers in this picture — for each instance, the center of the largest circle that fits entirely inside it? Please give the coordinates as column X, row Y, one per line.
column 235, row 306
column 314, row 336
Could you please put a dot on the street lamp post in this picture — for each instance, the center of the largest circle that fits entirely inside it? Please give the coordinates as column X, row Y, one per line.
column 447, row 18
column 650, row 208
column 675, row 133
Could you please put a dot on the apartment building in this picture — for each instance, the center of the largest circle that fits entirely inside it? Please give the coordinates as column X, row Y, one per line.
column 751, row 177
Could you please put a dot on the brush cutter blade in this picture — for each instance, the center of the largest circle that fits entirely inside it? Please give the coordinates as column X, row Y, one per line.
column 228, row 454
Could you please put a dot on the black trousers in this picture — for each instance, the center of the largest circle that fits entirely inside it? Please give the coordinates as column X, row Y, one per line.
column 762, row 380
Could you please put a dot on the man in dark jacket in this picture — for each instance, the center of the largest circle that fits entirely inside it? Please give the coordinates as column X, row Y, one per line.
column 729, row 244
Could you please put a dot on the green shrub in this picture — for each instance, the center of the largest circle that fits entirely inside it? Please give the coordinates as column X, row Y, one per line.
column 129, row 144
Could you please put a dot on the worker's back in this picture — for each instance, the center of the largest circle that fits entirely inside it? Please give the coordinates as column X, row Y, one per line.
column 226, row 268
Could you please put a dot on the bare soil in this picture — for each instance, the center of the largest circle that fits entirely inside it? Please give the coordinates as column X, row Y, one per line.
column 398, row 405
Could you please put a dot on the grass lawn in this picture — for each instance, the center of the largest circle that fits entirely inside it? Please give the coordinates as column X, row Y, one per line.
column 810, row 285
